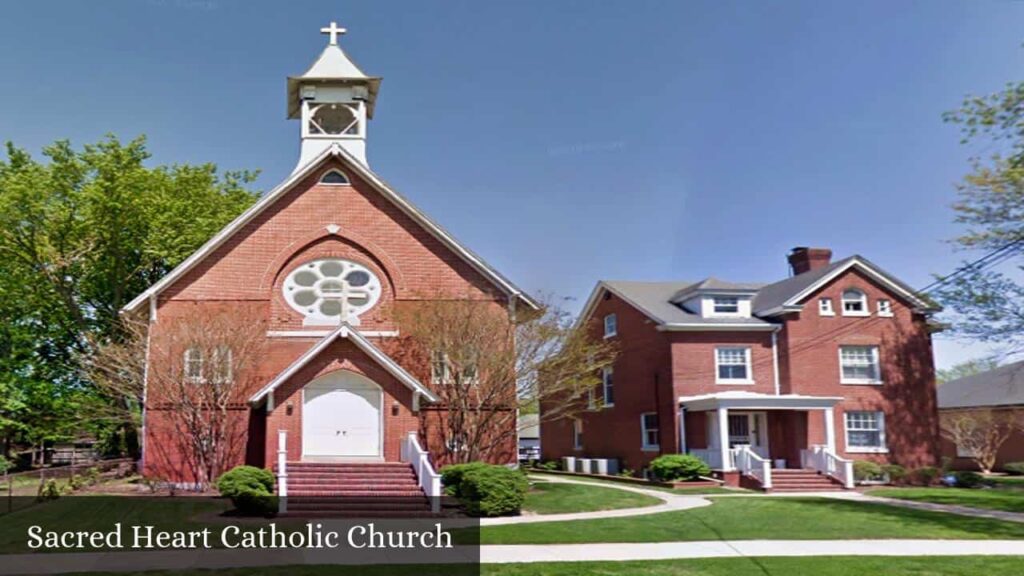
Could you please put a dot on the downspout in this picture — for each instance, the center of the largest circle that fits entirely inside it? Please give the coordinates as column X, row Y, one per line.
column 775, row 359
column 145, row 385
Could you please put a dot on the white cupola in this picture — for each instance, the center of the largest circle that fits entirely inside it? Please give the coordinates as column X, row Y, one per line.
column 334, row 99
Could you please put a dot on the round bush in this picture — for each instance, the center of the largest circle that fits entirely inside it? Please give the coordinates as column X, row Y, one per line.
column 895, row 472
column 926, row 475
column 451, row 476
column 493, row 491
column 255, row 503
column 673, row 467
column 866, row 470
column 1015, row 468
column 245, row 479
column 968, row 479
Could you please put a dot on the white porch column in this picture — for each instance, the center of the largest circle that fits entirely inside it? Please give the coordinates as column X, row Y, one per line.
column 830, row 430
column 723, row 437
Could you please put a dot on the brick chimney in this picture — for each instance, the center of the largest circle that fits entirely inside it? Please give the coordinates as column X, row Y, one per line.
column 803, row 259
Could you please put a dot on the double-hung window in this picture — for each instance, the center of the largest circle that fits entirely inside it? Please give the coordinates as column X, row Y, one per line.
column 193, row 361
column 885, row 308
column 855, row 303
column 611, row 325
column 865, row 431
column 732, row 365
column 825, row 307
column 859, row 365
column 726, row 305
column 649, row 431
column 577, row 434
column 608, row 384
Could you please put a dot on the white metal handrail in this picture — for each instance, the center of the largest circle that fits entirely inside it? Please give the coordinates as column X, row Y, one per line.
column 827, row 462
column 282, row 471
column 429, row 480
column 750, row 463
column 713, row 458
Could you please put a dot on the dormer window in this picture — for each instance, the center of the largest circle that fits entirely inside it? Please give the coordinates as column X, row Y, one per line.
column 726, row 305
column 611, row 325
column 855, row 303
column 334, row 177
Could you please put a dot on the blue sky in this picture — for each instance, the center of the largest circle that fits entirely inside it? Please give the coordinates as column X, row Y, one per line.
column 565, row 141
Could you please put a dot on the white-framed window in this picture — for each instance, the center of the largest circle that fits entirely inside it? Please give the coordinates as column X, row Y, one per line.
column 220, row 369
column 885, row 308
column 611, row 325
column 825, row 307
column 591, row 399
column 732, row 365
column 608, row 385
column 725, row 305
column 441, row 369
column 855, row 302
column 649, row 439
column 865, row 431
column 193, row 361
column 577, row 434
column 859, row 365
column 334, row 177
column 330, row 291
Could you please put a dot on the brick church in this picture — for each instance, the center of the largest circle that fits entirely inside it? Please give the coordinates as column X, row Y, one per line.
column 323, row 261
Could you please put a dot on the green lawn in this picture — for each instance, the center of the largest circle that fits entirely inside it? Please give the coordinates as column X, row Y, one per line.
column 682, row 491
column 556, row 498
column 1013, row 482
column 1010, row 500
column 833, row 566
column 761, row 518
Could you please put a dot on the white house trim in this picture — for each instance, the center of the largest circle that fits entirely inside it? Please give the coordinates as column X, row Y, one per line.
column 865, row 267
column 322, row 333
column 334, row 150
column 346, row 331
column 742, row 400
column 717, row 327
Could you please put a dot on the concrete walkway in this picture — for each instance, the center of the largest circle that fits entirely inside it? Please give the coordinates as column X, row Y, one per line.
column 670, row 502
column 217, row 559
column 930, row 506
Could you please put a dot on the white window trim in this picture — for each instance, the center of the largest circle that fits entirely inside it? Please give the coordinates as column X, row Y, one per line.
column 644, row 446
column 737, row 313
column 199, row 360
column 749, row 380
column 320, row 180
column 884, row 313
column 825, row 307
column 883, row 449
column 615, row 325
column 863, row 299
column 577, row 435
column 862, row 381
column 605, row 373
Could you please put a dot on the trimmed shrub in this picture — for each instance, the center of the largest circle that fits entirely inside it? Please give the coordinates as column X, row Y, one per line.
column 488, row 490
column 866, row 470
column 451, row 476
column 895, row 472
column 1015, row 468
column 968, row 479
column 5, row 464
column 50, row 490
column 925, row 475
column 250, row 490
column 673, row 467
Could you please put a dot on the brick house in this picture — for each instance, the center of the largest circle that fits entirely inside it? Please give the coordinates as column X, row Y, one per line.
column 831, row 364
column 325, row 258
column 999, row 392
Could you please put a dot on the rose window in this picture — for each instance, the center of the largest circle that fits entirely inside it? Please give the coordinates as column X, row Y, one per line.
column 329, row 291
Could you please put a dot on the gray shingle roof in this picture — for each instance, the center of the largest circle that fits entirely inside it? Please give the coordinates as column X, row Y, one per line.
column 1003, row 386
column 775, row 295
column 655, row 300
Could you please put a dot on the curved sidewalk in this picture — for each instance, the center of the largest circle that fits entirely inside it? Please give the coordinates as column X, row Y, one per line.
column 670, row 502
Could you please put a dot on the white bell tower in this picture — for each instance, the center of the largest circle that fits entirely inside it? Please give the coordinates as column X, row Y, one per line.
column 333, row 99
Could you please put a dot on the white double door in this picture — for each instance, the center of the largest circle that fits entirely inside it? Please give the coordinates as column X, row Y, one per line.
column 341, row 417
column 750, row 428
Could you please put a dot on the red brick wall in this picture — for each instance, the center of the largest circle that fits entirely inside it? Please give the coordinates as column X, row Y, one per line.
column 1011, row 451
column 245, row 275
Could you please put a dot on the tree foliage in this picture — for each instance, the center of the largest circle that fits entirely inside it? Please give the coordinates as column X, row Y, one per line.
column 81, row 233
column 966, row 368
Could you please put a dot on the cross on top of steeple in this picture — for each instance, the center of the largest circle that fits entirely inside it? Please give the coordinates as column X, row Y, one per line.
column 333, row 31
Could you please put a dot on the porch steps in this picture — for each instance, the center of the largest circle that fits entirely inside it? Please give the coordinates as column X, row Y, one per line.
column 784, row 480
column 364, row 490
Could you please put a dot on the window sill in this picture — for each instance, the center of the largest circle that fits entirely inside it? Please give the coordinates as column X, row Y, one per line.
column 829, row 314
column 612, row 335
column 857, row 314
column 889, row 315
column 650, row 448
column 612, row 405
column 861, row 382
column 735, row 382
column 864, row 450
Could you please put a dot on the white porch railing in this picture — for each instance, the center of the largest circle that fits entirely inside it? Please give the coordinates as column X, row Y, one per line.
column 430, row 481
column 282, row 471
column 750, row 464
column 714, row 458
column 823, row 460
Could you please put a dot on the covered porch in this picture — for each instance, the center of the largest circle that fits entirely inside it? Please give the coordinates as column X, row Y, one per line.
column 750, row 434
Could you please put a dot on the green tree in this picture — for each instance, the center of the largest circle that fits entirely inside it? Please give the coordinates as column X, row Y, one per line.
column 81, row 234
column 966, row 368
column 988, row 301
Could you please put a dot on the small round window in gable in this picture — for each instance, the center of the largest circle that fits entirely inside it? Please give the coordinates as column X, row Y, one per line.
column 330, row 290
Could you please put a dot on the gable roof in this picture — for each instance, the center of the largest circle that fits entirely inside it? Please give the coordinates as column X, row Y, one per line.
column 353, row 335
column 712, row 284
column 334, row 151
column 1002, row 386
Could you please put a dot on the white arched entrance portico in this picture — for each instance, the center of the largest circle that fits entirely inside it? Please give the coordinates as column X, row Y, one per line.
column 342, row 417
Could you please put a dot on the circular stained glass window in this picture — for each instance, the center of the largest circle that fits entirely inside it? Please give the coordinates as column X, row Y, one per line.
column 329, row 291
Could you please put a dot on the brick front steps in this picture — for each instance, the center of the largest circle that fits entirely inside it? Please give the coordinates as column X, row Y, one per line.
column 802, row 481
column 367, row 490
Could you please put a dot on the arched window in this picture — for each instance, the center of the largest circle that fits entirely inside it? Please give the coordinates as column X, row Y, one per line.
column 334, row 177
column 331, row 290
column 855, row 303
